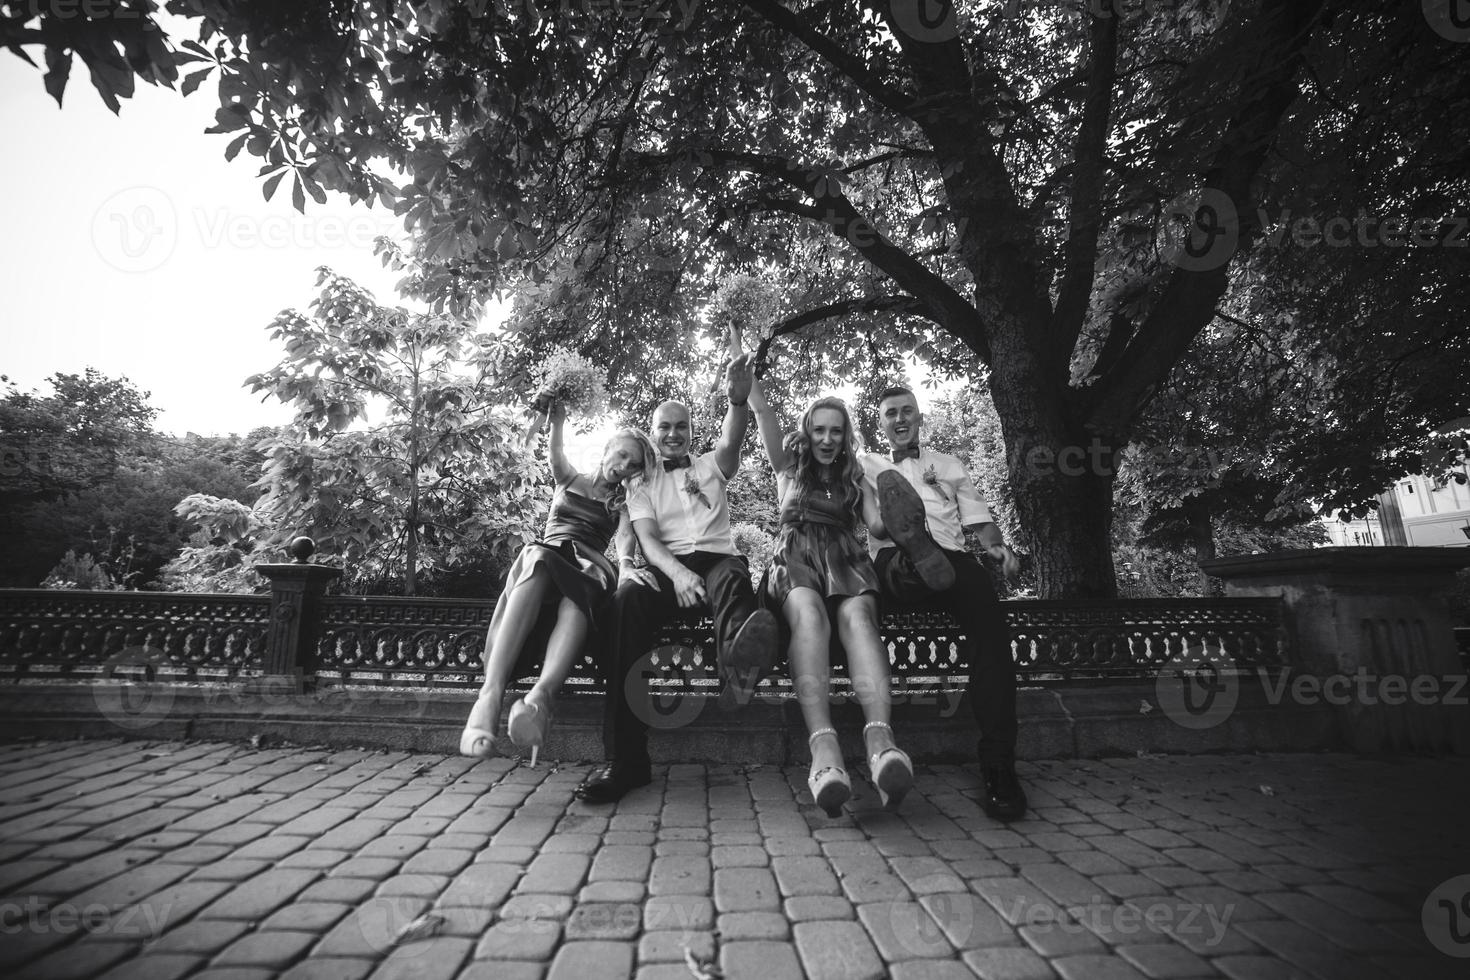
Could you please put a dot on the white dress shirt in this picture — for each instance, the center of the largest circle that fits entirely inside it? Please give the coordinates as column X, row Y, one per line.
column 687, row 521
column 951, row 502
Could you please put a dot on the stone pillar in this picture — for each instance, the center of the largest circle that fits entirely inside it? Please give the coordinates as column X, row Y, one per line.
column 296, row 591
column 1372, row 636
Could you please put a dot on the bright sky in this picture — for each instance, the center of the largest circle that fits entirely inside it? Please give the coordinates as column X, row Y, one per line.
column 132, row 246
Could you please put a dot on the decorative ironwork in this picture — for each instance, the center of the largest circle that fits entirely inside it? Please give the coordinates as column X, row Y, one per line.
column 386, row 639
column 439, row 642
column 54, row 633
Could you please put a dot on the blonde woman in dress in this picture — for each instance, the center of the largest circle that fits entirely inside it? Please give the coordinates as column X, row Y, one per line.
column 822, row 580
column 558, row 586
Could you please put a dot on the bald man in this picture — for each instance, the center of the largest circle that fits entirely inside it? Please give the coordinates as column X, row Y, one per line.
column 682, row 522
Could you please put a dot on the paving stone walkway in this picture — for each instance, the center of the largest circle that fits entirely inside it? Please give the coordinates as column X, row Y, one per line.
column 168, row 860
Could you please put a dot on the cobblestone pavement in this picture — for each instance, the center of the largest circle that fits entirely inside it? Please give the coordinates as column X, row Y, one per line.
column 163, row 860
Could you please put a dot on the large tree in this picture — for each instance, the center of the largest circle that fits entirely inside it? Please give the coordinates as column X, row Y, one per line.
column 1059, row 195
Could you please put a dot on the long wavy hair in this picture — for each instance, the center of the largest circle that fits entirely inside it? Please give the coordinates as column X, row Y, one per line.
column 617, row 499
column 804, row 469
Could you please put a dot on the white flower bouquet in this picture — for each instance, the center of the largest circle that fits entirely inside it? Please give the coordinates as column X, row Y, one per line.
column 571, row 379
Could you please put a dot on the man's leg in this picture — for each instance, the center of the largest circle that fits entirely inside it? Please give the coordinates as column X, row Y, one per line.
column 637, row 613
column 745, row 635
column 972, row 603
column 992, row 684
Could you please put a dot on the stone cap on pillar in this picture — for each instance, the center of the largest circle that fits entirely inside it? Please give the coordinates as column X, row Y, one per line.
column 301, row 570
column 1359, row 560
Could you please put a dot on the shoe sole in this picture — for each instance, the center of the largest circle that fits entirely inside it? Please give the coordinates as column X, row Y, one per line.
column 751, row 654
column 903, row 517
column 833, row 795
column 894, row 780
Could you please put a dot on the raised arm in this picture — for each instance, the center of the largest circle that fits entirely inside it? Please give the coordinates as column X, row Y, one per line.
column 769, row 427
column 738, row 379
column 561, row 470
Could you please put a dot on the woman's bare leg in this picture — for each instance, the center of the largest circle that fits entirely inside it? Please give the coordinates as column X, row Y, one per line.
column 867, row 662
column 811, row 669
column 515, row 615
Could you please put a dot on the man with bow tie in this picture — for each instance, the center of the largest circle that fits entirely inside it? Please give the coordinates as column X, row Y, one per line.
column 928, row 503
column 682, row 521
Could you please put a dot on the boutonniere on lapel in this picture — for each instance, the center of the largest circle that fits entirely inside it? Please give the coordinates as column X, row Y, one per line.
column 691, row 487
column 932, row 478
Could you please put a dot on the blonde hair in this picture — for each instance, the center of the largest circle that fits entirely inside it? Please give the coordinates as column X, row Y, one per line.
column 618, row 499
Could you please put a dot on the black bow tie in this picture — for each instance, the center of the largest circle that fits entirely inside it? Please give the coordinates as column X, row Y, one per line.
column 682, row 463
column 901, row 454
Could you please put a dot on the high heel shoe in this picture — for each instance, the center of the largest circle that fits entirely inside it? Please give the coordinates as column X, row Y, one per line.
column 527, row 726
column 892, row 770
column 478, row 743
column 829, row 785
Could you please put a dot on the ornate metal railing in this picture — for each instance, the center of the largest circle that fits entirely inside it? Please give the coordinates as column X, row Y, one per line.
column 48, row 633
column 438, row 642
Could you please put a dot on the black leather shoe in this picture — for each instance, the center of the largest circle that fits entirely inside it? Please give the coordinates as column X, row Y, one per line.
column 1004, row 799
column 750, row 656
column 612, row 782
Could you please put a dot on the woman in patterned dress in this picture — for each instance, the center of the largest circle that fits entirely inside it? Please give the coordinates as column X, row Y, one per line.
column 557, row 587
column 821, row 577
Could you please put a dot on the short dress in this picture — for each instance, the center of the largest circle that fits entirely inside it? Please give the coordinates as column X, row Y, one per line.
column 572, row 550
column 817, row 546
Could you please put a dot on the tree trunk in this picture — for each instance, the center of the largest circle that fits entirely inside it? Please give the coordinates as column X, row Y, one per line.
column 1062, row 477
column 1202, row 536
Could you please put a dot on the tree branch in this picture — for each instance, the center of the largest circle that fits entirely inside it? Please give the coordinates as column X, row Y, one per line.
column 846, row 307
column 1080, row 267
column 779, row 17
column 834, row 209
column 1189, row 300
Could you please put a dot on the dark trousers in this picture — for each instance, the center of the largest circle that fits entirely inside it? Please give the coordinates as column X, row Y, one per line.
column 972, row 602
column 639, row 612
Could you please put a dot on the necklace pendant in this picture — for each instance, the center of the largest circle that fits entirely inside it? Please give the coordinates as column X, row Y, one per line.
column 829, row 494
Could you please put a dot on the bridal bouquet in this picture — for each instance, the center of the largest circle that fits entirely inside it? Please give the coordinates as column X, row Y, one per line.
column 571, row 379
